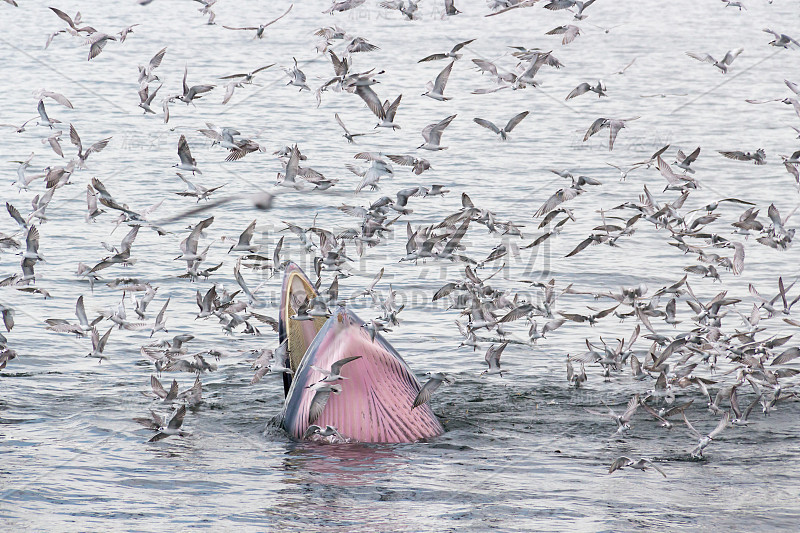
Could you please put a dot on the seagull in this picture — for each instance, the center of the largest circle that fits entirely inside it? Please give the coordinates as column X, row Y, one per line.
column 46, row 120
column 297, row 77
column 450, row 8
column 92, row 211
column 684, row 161
column 613, row 125
column 261, row 27
column 407, row 7
column 623, row 421
column 706, row 440
column 83, row 325
column 433, row 134
column 173, row 427
column 329, row 431
column 583, row 88
column 158, row 389
column 123, row 34
column 387, row 113
column 187, row 163
column 451, row 54
column 54, row 142
column 18, row 129
column 161, row 322
column 194, row 92
column 729, row 3
column 146, row 98
column 99, row 344
column 31, row 243
column 98, row 41
column 493, row 359
column 435, row 89
column 641, row 464
column 427, row 390
column 243, row 244
column 418, row 164
column 340, row 6
column 58, row 97
column 359, row 44
column 781, row 39
column 292, row 167
column 759, row 157
column 95, row 148
column 146, row 72
column 723, row 65
column 321, row 395
column 347, row 135
column 569, row 31
column 196, row 191
column 503, row 133
column 335, row 373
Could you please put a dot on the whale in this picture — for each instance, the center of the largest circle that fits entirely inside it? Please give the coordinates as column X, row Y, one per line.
column 377, row 392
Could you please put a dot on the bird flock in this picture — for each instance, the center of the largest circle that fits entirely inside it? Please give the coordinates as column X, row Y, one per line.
column 699, row 362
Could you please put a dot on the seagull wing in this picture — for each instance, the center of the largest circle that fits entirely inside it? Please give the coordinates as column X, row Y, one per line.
column 426, row 392
column 337, row 366
column 279, row 18
column 723, row 423
column 441, row 79
column 596, row 126
column 436, row 130
column 371, row 99
column 80, row 312
column 158, row 388
column 516, row 120
column 318, row 404
column 183, row 151
column 560, row 196
column 155, row 62
column 486, row 124
column 705, row 58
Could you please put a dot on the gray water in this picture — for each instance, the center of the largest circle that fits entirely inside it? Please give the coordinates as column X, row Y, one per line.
column 520, row 452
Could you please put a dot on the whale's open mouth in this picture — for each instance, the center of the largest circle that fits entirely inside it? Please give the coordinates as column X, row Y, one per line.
column 377, row 390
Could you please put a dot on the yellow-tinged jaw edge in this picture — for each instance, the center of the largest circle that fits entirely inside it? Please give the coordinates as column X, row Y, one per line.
column 299, row 333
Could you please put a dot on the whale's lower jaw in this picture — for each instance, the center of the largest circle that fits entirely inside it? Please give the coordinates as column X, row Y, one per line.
column 376, row 398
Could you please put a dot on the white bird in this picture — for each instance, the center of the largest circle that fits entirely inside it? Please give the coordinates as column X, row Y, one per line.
column 641, row 464
column 335, row 373
column 161, row 322
column 292, row 167
column 435, row 89
column 261, row 27
column 319, row 401
column 297, row 77
column 187, row 163
column 723, row 65
column 173, row 427
column 493, row 359
column 705, row 440
column 146, row 72
column 613, row 125
column 502, row 132
column 99, row 344
column 46, row 120
column 427, row 390
column 433, row 134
